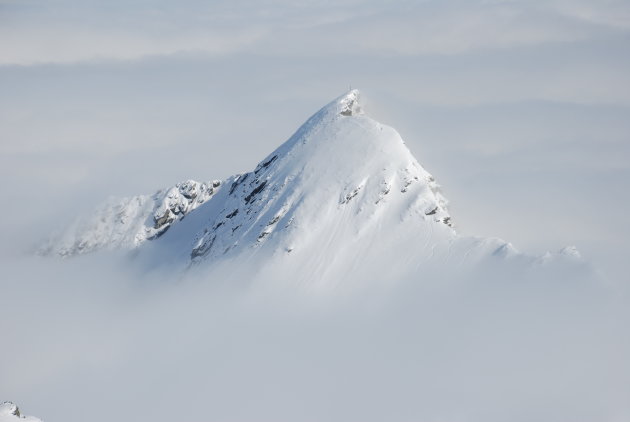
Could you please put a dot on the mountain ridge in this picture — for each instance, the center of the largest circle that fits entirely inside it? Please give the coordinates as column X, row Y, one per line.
column 342, row 190
column 9, row 412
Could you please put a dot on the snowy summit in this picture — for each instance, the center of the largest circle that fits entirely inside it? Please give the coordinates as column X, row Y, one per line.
column 343, row 191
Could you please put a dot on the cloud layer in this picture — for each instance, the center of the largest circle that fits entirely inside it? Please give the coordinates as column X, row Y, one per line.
column 86, row 339
column 70, row 32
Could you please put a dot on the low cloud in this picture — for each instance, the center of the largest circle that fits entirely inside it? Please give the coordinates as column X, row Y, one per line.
column 71, row 33
column 89, row 339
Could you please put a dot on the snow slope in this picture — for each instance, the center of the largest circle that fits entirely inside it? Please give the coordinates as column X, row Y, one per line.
column 129, row 222
column 343, row 192
column 9, row 412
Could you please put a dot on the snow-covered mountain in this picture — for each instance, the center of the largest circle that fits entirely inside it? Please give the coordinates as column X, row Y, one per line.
column 342, row 192
column 9, row 412
column 129, row 222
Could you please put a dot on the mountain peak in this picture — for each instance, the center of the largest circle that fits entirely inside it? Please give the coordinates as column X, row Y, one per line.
column 342, row 192
column 349, row 103
column 346, row 105
column 341, row 174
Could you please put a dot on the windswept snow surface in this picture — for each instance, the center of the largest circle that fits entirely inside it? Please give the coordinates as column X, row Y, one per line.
column 129, row 222
column 343, row 192
column 9, row 412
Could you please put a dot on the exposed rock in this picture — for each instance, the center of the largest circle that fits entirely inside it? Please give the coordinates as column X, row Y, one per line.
column 9, row 412
column 255, row 192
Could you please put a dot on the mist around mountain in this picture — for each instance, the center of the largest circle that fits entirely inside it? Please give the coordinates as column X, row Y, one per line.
column 92, row 338
column 328, row 283
column 97, row 338
column 519, row 109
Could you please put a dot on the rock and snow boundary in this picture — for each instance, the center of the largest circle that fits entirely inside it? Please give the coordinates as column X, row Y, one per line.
column 9, row 412
column 343, row 191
